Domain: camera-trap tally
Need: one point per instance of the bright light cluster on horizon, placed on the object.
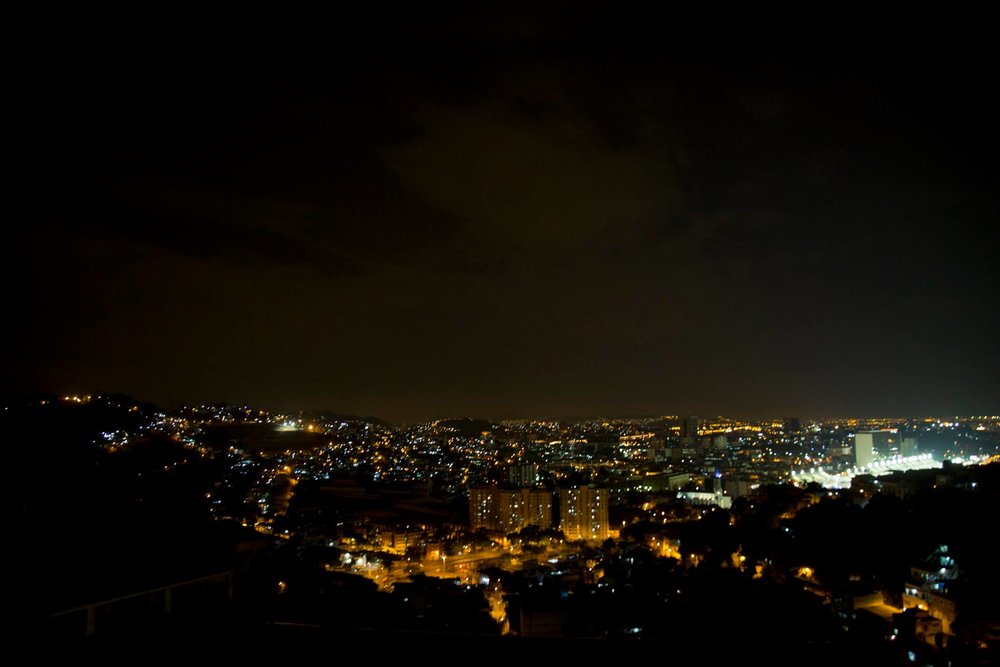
(842, 480)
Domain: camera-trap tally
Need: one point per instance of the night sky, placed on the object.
(421, 214)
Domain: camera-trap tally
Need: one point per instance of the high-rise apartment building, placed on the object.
(583, 513)
(509, 510)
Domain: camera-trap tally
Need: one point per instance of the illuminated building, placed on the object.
(523, 474)
(706, 498)
(716, 497)
(583, 513)
(658, 452)
(509, 510)
(525, 507)
(864, 450)
(930, 585)
(870, 445)
(483, 508)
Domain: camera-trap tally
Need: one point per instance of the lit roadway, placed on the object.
(446, 567)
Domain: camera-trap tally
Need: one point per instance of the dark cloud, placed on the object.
(460, 211)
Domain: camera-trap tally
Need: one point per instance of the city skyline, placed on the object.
(862, 534)
(434, 329)
(681, 417)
